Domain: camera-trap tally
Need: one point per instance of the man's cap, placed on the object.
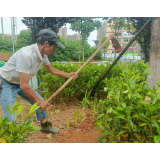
(49, 35)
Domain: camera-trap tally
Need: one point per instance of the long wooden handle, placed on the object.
(70, 79)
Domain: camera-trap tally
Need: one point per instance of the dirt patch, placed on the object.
(4, 56)
(80, 131)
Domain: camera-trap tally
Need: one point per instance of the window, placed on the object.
(131, 51)
(119, 39)
(124, 45)
(125, 40)
(112, 51)
(118, 34)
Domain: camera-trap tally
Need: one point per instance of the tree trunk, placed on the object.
(154, 58)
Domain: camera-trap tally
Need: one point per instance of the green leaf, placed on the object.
(99, 124)
(141, 118)
(82, 120)
(136, 142)
(157, 126)
(3, 131)
(155, 117)
(1, 121)
(131, 123)
(20, 109)
(139, 96)
(34, 107)
(108, 109)
(57, 111)
(120, 133)
(119, 108)
(29, 115)
(106, 117)
(123, 105)
(121, 117)
(119, 113)
(134, 77)
(157, 139)
(101, 140)
(117, 95)
(8, 109)
(101, 115)
(129, 95)
(126, 91)
(7, 138)
(143, 124)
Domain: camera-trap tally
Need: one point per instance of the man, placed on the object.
(21, 67)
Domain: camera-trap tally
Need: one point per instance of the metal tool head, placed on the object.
(116, 44)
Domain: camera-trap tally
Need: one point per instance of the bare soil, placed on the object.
(83, 133)
(4, 56)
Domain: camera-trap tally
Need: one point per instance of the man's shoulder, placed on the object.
(27, 51)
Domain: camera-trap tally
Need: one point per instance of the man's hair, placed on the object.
(42, 42)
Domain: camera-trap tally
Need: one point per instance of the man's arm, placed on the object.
(57, 72)
(24, 85)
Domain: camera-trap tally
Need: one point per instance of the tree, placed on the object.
(144, 39)
(154, 58)
(38, 23)
(73, 51)
(106, 46)
(6, 45)
(84, 26)
(24, 39)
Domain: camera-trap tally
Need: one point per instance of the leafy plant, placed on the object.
(130, 113)
(15, 133)
(77, 116)
(68, 121)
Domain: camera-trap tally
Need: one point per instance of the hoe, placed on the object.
(117, 48)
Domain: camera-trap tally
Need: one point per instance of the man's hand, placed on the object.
(72, 74)
(43, 104)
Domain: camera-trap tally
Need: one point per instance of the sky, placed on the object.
(22, 26)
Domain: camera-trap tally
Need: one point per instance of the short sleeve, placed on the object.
(46, 60)
(23, 63)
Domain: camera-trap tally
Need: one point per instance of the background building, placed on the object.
(63, 33)
(123, 38)
(7, 36)
(74, 37)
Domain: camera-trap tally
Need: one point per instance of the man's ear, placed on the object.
(46, 43)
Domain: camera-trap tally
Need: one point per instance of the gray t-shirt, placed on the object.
(26, 60)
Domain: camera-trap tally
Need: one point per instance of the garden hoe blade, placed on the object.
(120, 55)
(117, 48)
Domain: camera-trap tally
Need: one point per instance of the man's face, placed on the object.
(48, 50)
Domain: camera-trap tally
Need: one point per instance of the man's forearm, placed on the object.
(30, 93)
(58, 72)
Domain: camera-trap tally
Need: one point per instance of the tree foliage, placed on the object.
(73, 51)
(144, 39)
(6, 45)
(38, 23)
(106, 46)
(118, 23)
(84, 26)
(24, 39)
